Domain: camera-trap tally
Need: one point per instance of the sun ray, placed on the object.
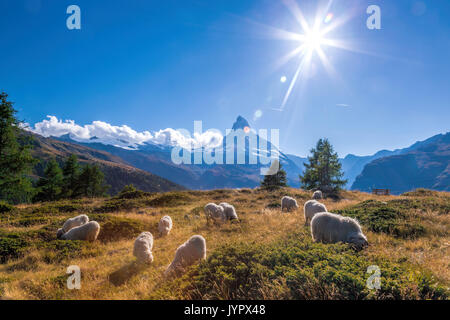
(297, 13)
(303, 62)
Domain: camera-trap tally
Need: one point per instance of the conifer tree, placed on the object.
(50, 186)
(323, 172)
(16, 161)
(71, 172)
(275, 181)
(91, 182)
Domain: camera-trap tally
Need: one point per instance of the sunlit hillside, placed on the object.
(267, 255)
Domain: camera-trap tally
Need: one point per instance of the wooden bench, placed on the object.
(381, 192)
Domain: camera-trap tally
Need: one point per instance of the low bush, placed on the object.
(11, 246)
(5, 207)
(117, 228)
(384, 217)
(300, 269)
(170, 199)
(59, 250)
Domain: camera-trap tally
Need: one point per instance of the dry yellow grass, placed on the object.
(32, 277)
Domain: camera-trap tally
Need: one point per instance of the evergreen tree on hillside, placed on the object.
(323, 172)
(275, 181)
(91, 182)
(71, 173)
(50, 186)
(15, 157)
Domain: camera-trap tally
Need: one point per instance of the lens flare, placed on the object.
(328, 18)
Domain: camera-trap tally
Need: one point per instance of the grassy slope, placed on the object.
(269, 255)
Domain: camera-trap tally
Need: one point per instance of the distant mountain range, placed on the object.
(118, 172)
(423, 164)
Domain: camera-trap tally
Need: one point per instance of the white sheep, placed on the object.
(312, 207)
(328, 227)
(189, 253)
(165, 225)
(88, 231)
(143, 246)
(317, 195)
(72, 223)
(230, 212)
(215, 212)
(288, 203)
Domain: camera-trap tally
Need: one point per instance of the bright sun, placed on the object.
(313, 40)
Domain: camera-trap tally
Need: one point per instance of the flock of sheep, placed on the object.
(326, 227)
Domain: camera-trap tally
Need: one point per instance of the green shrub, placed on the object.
(170, 199)
(130, 192)
(197, 211)
(384, 217)
(420, 192)
(117, 228)
(56, 251)
(297, 268)
(115, 205)
(5, 207)
(274, 205)
(11, 246)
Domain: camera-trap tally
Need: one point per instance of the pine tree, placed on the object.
(50, 186)
(323, 172)
(91, 182)
(275, 181)
(71, 172)
(15, 157)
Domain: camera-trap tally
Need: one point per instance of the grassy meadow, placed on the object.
(267, 255)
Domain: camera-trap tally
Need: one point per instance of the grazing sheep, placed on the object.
(88, 231)
(75, 222)
(312, 207)
(165, 225)
(230, 212)
(143, 246)
(214, 212)
(187, 254)
(288, 203)
(328, 227)
(59, 233)
(317, 195)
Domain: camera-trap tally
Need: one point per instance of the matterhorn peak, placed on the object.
(240, 123)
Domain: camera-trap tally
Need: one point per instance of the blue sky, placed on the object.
(163, 64)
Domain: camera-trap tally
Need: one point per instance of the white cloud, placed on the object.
(124, 136)
(343, 105)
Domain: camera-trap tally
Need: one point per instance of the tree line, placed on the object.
(16, 165)
(69, 182)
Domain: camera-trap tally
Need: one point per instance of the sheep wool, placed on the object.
(230, 212)
(312, 207)
(143, 246)
(288, 203)
(328, 227)
(317, 195)
(165, 225)
(88, 232)
(189, 253)
(75, 222)
(214, 212)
